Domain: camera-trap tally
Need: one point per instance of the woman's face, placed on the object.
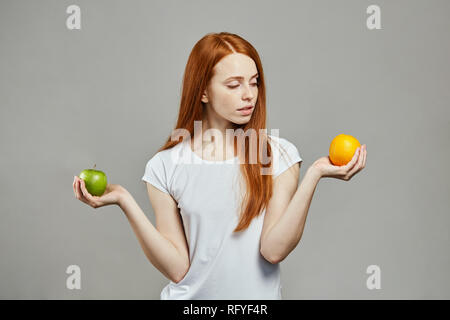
(233, 86)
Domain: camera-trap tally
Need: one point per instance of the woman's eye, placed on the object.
(253, 84)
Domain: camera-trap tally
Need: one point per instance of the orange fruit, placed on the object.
(342, 149)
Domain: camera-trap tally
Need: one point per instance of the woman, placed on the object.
(223, 221)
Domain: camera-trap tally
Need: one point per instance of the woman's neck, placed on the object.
(212, 143)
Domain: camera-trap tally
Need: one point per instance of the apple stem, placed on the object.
(94, 165)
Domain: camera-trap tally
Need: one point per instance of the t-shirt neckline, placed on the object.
(231, 160)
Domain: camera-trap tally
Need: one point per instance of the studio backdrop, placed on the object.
(86, 83)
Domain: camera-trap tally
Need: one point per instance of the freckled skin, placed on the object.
(224, 96)
(221, 100)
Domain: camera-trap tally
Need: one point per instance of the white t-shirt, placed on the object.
(224, 264)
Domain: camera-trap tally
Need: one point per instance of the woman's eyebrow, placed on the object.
(239, 77)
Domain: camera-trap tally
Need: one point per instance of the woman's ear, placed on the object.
(205, 97)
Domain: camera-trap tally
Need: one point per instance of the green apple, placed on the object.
(94, 180)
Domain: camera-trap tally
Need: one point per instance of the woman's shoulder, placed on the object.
(281, 143)
(167, 157)
(285, 154)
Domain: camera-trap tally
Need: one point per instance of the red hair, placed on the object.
(206, 53)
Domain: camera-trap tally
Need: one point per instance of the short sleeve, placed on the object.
(156, 173)
(286, 155)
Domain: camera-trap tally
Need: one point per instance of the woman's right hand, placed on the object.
(113, 194)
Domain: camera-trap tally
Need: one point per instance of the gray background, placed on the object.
(109, 94)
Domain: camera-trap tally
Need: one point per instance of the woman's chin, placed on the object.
(241, 120)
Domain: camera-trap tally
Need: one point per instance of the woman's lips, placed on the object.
(246, 110)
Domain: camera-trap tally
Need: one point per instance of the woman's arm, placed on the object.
(161, 252)
(286, 213)
(165, 247)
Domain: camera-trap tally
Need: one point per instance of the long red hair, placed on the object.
(199, 70)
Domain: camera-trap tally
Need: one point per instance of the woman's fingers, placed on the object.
(352, 162)
(84, 191)
(365, 155)
(82, 194)
(360, 165)
(77, 189)
(90, 199)
(73, 185)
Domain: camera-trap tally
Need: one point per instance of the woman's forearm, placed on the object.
(158, 249)
(287, 232)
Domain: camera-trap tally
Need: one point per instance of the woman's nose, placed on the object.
(248, 92)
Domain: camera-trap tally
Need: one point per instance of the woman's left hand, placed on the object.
(346, 172)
